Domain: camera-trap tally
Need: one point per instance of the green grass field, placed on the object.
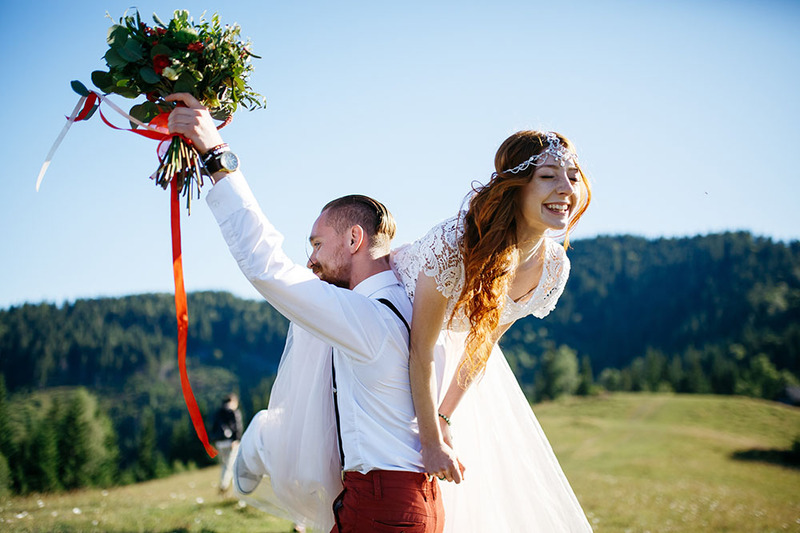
(638, 463)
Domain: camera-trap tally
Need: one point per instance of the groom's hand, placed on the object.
(193, 122)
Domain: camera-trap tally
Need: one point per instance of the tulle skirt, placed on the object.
(513, 480)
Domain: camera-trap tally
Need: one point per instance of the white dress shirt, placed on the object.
(370, 343)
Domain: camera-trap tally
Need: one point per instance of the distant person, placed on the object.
(226, 430)
(350, 317)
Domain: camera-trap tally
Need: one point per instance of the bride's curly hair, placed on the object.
(490, 241)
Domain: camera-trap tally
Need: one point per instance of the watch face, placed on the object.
(229, 161)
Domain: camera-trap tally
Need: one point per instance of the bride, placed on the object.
(470, 278)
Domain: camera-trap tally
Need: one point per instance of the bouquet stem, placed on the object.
(181, 163)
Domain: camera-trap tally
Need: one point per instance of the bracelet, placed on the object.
(218, 149)
(445, 418)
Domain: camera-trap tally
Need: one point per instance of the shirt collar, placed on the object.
(376, 282)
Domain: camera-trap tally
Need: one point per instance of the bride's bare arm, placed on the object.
(430, 306)
(456, 391)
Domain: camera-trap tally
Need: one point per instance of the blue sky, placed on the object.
(685, 115)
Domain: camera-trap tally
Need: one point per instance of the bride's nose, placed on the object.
(565, 185)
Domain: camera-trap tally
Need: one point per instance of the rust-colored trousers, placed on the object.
(390, 501)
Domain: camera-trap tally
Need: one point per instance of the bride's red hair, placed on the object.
(489, 244)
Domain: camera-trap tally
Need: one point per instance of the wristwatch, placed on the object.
(220, 159)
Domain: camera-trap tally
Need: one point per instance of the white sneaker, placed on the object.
(245, 481)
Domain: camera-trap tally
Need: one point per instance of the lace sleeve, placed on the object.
(437, 255)
(554, 279)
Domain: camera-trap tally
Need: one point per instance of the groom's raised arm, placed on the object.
(342, 318)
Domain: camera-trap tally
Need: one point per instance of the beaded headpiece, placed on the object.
(560, 153)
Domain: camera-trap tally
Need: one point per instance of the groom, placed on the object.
(354, 303)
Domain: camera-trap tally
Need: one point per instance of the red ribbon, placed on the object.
(160, 120)
(87, 106)
(182, 314)
(181, 307)
(159, 131)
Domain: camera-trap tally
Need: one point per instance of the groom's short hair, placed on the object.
(357, 209)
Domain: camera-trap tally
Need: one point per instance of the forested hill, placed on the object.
(700, 314)
(102, 343)
(713, 303)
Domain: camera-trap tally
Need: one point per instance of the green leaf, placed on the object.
(160, 50)
(117, 35)
(186, 36)
(152, 110)
(125, 91)
(79, 88)
(114, 60)
(149, 75)
(138, 112)
(91, 111)
(182, 86)
(132, 51)
(185, 84)
(102, 80)
(158, 21)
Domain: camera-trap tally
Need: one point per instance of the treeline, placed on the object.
(101, 343)
(55, 440)
(561, 372)
(122, 353)
(714, 314)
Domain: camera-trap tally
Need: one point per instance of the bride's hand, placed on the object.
(441, 461)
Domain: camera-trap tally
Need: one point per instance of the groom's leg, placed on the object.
(405, 500)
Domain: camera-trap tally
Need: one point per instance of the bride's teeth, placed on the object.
(553, 207)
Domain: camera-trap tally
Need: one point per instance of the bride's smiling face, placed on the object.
(550, 198)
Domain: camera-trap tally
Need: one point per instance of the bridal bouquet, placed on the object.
(205, 59)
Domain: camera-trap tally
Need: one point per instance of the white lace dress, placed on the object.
(513, 481)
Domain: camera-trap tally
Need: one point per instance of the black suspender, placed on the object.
(391, 306)
(336, 410)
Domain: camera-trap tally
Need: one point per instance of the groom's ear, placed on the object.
(355, 238)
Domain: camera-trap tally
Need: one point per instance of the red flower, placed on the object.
(195, 47)
(152, 96)
(161, 31)
(160, 62)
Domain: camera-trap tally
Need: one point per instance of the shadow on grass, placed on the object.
(788, 458)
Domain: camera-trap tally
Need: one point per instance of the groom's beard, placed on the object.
(335, 273)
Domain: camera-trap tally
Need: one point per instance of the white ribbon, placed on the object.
(60, 138)
(69, 123)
